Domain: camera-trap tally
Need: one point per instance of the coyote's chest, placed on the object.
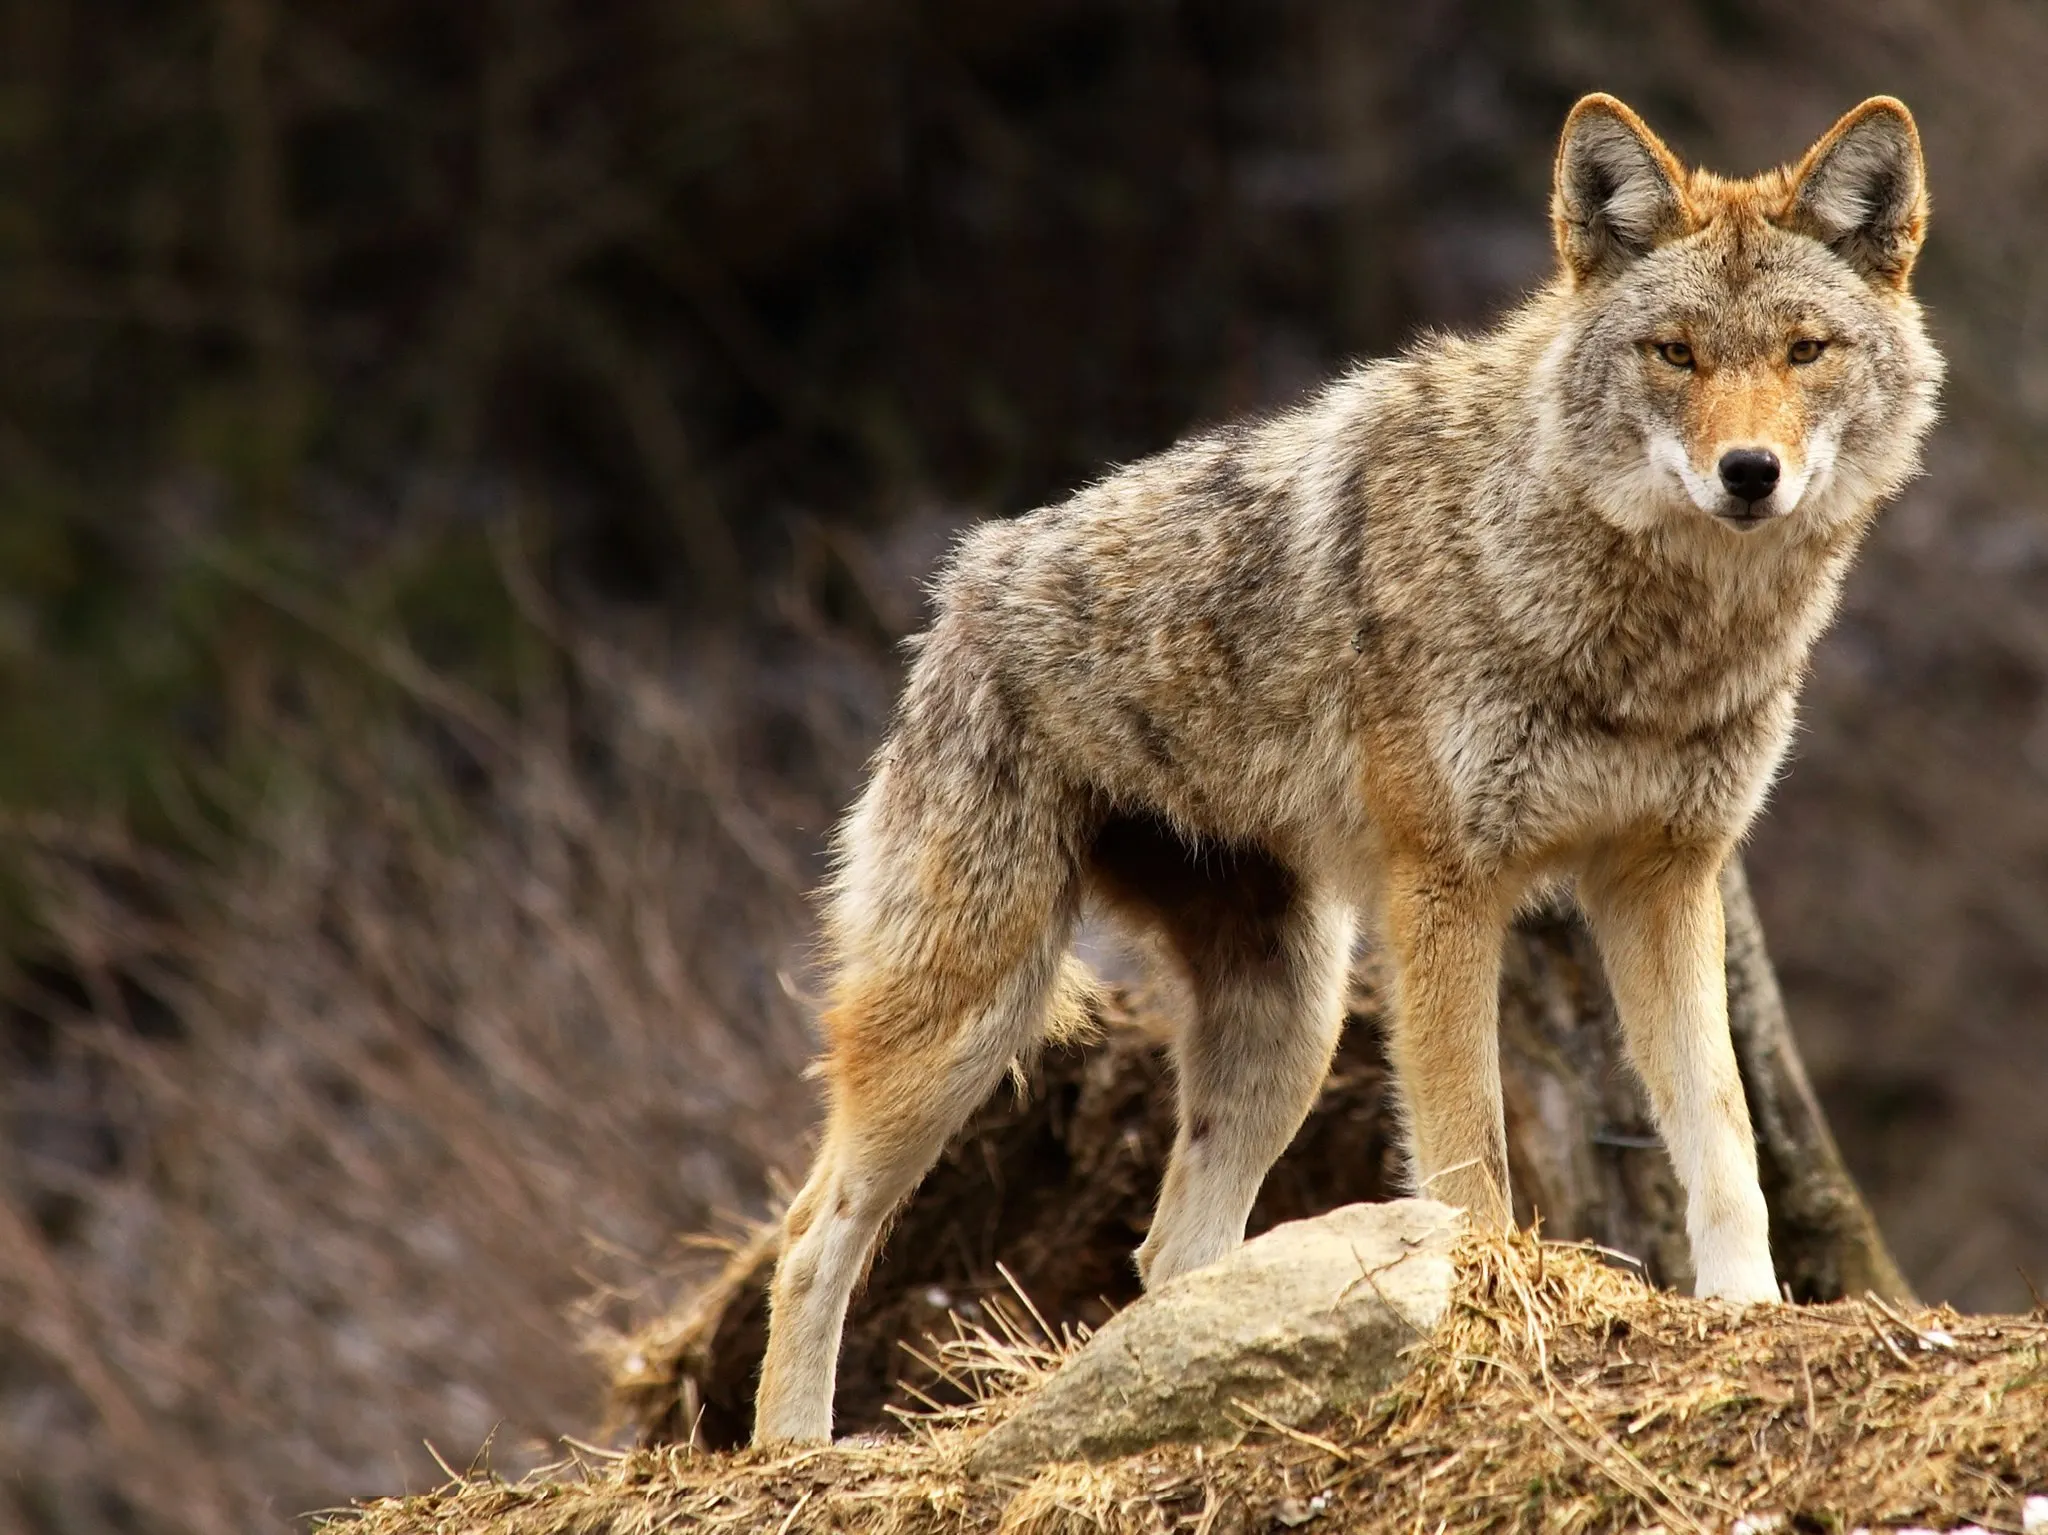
(1645, 698)
(1529, 780)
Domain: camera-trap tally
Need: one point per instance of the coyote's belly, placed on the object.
(1230, 767)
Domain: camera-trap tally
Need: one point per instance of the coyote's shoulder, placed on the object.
(1520, 607)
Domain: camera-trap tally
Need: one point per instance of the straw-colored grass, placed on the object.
(1561, 1394)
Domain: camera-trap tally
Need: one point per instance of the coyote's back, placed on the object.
(1501, 612)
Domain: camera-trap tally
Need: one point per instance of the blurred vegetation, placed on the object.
(332, 290)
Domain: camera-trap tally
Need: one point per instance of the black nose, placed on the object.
(1751, 473)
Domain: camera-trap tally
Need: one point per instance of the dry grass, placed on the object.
(1561, 1394)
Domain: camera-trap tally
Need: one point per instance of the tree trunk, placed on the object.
(1822, 1234)
(1058, 1186)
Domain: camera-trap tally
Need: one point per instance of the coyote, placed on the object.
(1504, 612)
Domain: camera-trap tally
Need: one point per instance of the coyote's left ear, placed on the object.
(1862, 191)
(1617, 193)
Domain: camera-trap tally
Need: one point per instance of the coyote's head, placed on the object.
(1740, 353)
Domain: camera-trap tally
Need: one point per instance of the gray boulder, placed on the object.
(1313, 1314)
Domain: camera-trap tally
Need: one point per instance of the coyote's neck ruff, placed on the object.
(1527, 607)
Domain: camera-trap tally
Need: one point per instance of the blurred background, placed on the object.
(463, 470)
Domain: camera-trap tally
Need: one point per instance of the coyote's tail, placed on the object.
(1074, 1015)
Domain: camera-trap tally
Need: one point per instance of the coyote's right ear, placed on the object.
(1617, 193)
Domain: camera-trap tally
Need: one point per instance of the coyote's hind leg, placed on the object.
(1250, 1063)
(895, 1100)
(1265, 959)
(949, 923)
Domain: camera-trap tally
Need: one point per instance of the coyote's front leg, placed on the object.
(1655, 909)
(1444, 933)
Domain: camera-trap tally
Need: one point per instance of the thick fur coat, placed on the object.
(1502, 612)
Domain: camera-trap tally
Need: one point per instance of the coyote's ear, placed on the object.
(1862, 191)
(1617, 191)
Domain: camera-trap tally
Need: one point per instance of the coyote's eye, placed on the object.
(1677, 353)
(1806, 350)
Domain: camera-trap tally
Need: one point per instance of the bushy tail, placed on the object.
(1073, 1016)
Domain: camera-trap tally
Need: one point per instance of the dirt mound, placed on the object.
(1560, 1393)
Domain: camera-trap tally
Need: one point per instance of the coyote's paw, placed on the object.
(1746, 1280)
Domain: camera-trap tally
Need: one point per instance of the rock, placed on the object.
(1314, 1314)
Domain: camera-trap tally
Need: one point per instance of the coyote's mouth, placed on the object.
(1748, 517)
